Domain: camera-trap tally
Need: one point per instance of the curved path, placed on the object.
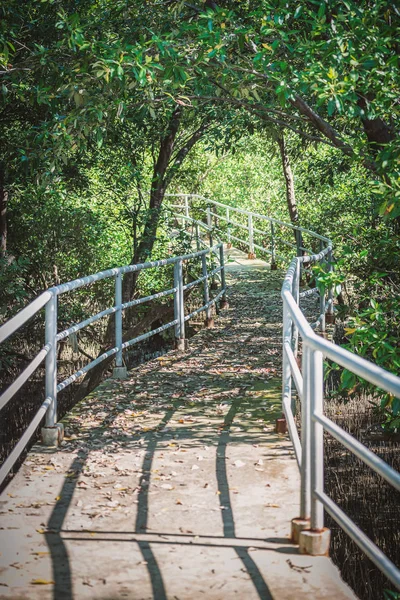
(173, 484)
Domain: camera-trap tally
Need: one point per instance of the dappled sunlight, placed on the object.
(174, 472)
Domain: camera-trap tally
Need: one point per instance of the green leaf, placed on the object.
(298, 11)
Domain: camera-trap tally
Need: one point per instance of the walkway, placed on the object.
(171, 485)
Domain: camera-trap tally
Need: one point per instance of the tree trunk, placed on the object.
(157, 192)
(290, 193)
(3, 215)
(164, 170)
(289, 182)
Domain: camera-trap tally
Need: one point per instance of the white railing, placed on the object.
(309, 386)
(274, 239)
(308, 380)
(49, 301)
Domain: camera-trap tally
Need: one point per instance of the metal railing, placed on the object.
(309, 386)
(49, 301)
(308, 381)
(272, 240)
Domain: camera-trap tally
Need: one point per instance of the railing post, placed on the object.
(330, 317)
(305, 500)
(228, 220)
(179, 307)
(315, 541)
(317, 440)
(209, 322)
(322, 299)
(296, 296)
(281, 424)
(119, 371)
(251, 237)
(209, 220)
(302, 523)
(298, 242)
(186, 206)
(197, 230)
(52, 432)
(224, 302)
(299, 251)
(209, 224)
(273, 256)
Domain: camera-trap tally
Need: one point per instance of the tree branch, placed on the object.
(260, 112)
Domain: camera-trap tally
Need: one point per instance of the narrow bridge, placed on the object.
(178, 480)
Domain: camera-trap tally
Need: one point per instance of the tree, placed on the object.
(324, 70)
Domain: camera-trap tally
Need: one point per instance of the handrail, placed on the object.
(248, 212)
(308, 380)
(48, 300)
(309, 383)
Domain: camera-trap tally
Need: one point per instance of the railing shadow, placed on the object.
(226, 505)
(55, 535)
(58, 536)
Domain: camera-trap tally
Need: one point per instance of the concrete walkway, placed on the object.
(171, 485)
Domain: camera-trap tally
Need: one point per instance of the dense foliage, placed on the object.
(107, 105)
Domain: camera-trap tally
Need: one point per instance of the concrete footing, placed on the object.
(281, 425)
(298, 525)
(120, 373)
(224, 304)
(181, 345)
(52, 436)
(315, 543)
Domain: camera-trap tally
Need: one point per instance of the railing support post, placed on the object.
(299, 251)
(209, 224)
(119, 371)
(186, 206)
(197, 230)
(228, 220)
(330, 316)
(322, 304)
(179, 307)
(209, 322)
(302, 523)
(209, 220)
(298, 242)
(315, 541)
(281, 424)
(305, 501)
(296, 296)
(52, 433)
(273, 256)
(224, 302)
(251, 255)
